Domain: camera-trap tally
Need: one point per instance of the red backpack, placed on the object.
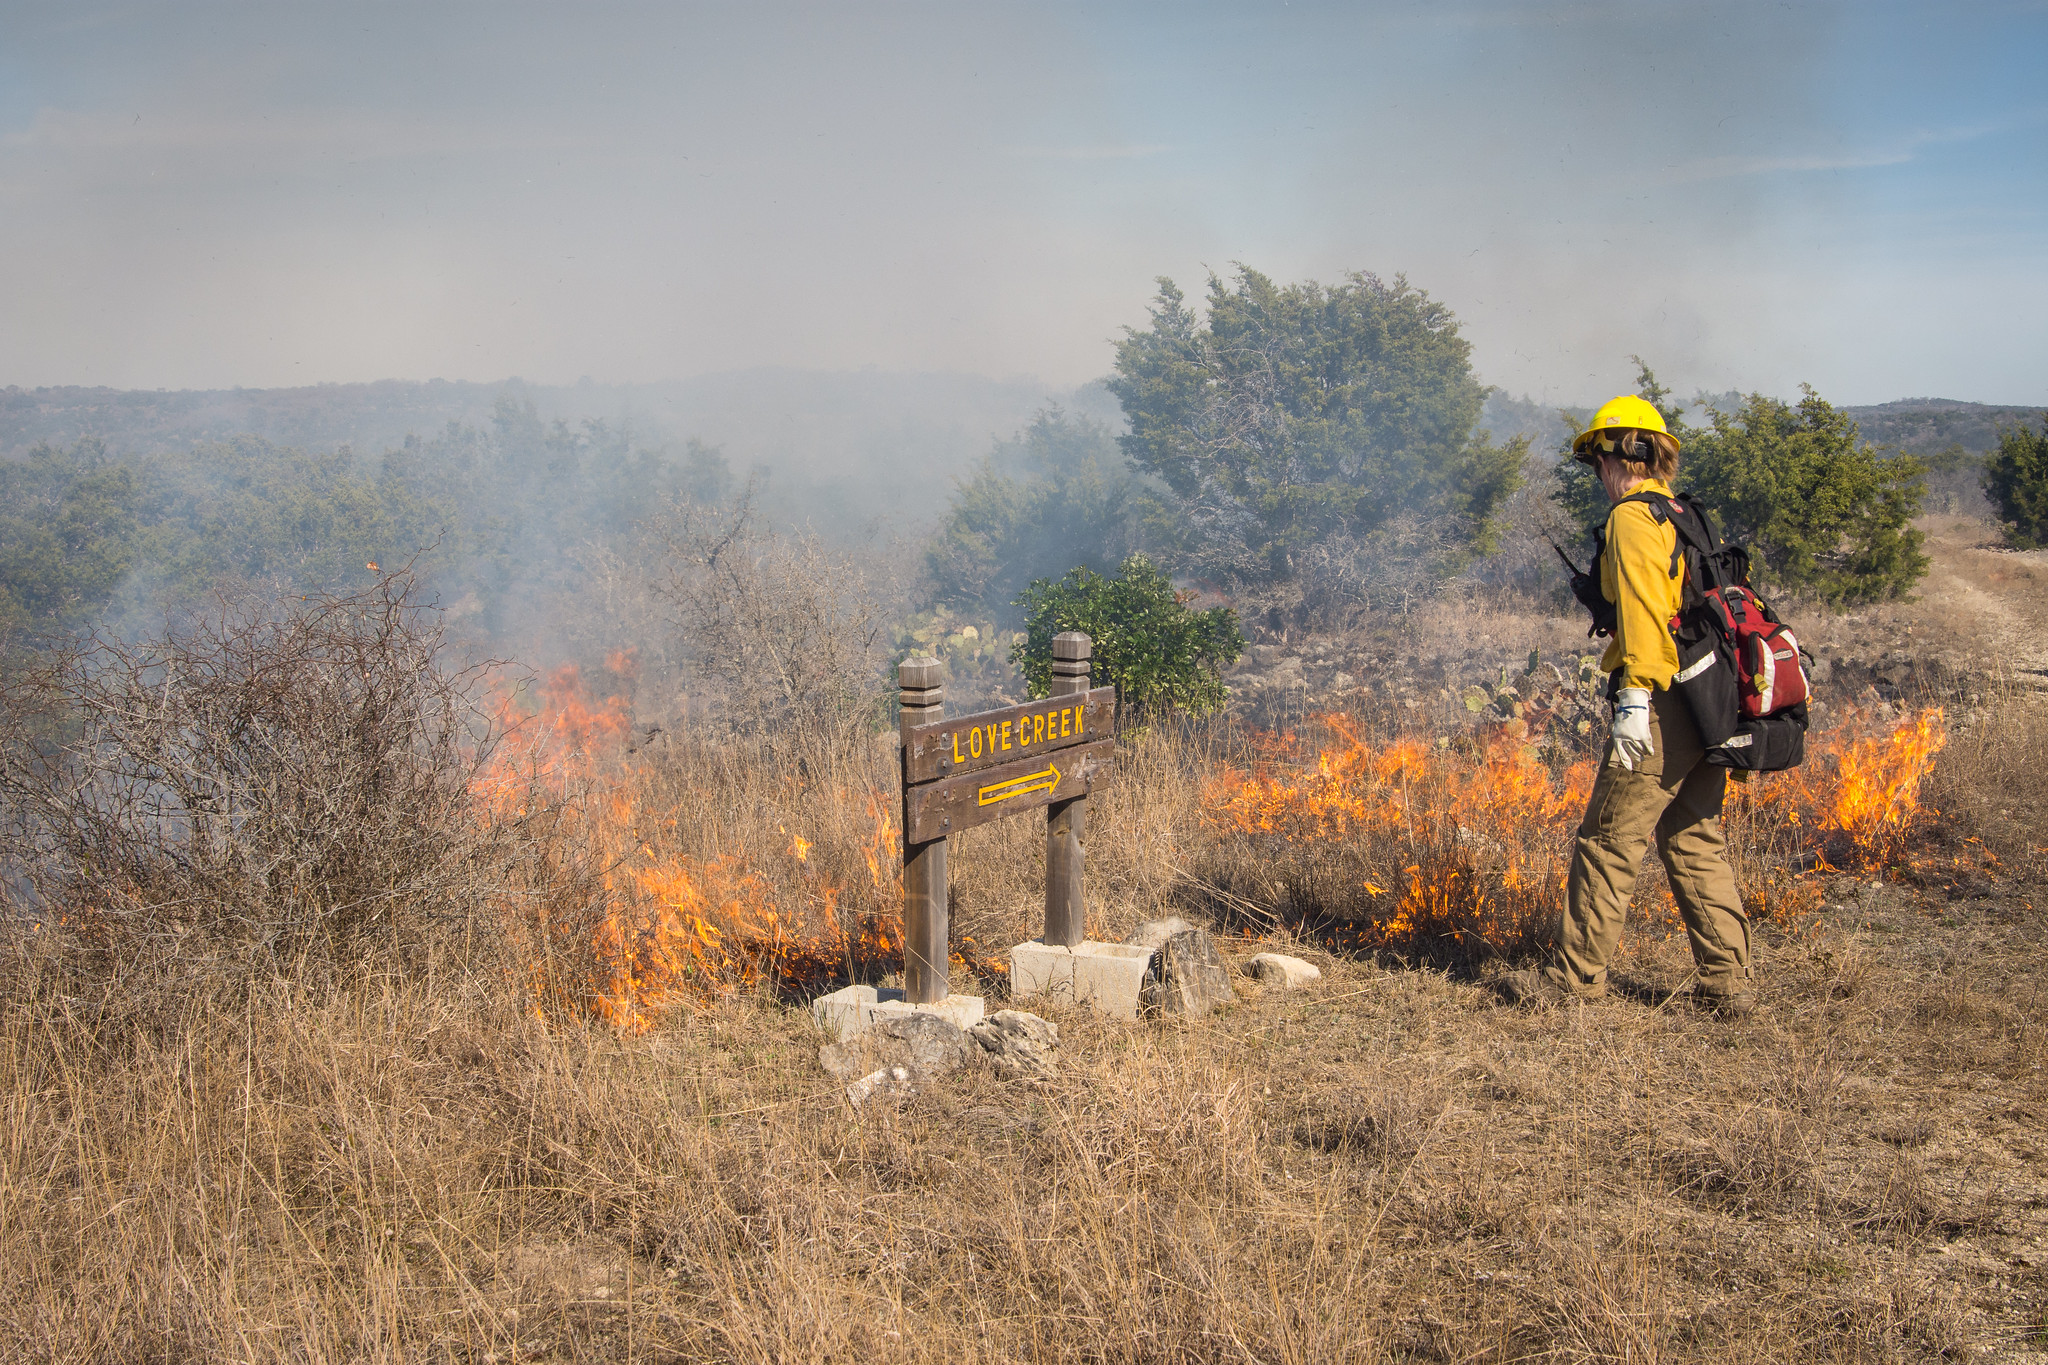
(1740, 668)
(1769, 674)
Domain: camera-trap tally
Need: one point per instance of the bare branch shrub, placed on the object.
(786, 633)
(289, 784)
(1524, 569)
(1391, 570)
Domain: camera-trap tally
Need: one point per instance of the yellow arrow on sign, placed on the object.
(1048, 780)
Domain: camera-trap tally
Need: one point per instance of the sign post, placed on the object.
(925, 954)
(1066, 913)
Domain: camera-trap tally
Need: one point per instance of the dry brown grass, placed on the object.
(411, 1164)
(1391, 1167)
(1993, 785)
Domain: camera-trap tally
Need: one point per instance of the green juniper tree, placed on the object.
(1822, 511)
(2016, 481)
(1297, 413)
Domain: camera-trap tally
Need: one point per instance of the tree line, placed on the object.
(493, 519)
(1293, 439)
(1304, 451)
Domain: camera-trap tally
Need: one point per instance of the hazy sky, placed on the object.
(203, 195)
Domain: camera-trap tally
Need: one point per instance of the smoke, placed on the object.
(850, 249)
(239, 194)
(528, 511)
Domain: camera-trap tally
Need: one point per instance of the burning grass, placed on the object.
(1454, 851)
(715, 868)
(625, 1151)
(1443, 850)
(723, 869)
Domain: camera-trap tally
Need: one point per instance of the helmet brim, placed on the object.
(1582, 444)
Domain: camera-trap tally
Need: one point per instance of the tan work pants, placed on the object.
(1677, 795)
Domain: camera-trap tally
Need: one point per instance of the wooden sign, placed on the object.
(961, 773)
(990, 738)
(945, 807)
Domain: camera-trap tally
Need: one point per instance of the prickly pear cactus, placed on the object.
(1558, 711)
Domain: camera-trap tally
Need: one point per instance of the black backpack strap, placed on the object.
(1660, 508)
(1696, 532)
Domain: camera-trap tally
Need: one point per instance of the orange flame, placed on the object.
(683, 928)
(1433, 843)
(1858, 794)
(1480, 832)
(1878, 778)
(677, 926)
(1475, 832)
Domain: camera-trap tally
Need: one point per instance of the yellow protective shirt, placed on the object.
(1637, 575)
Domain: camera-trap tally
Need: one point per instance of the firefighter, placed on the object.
(1654, 778)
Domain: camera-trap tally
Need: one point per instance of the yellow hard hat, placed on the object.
(1624, 411)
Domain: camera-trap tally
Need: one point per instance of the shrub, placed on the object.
(1157, 652)
(784, 633)
(293, 788)
(1820, 511)
(2016, 481)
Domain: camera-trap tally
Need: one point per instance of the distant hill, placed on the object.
(1928, 426)
(143, 422)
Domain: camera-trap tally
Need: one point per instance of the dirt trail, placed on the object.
(2005, 591)
(1981, 607)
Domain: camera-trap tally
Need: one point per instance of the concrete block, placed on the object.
(1278, 969)
(963, 1012)
(852, 1010)
(843, 1013)
(1109, 976)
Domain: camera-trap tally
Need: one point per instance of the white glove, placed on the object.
(1632, 727)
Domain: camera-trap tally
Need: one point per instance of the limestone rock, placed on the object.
(1278, 969)
(1020, 1044)
(923, 1047)
(891, 1082)
(928, 1045)
(843, 1061)
(1187, 975)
